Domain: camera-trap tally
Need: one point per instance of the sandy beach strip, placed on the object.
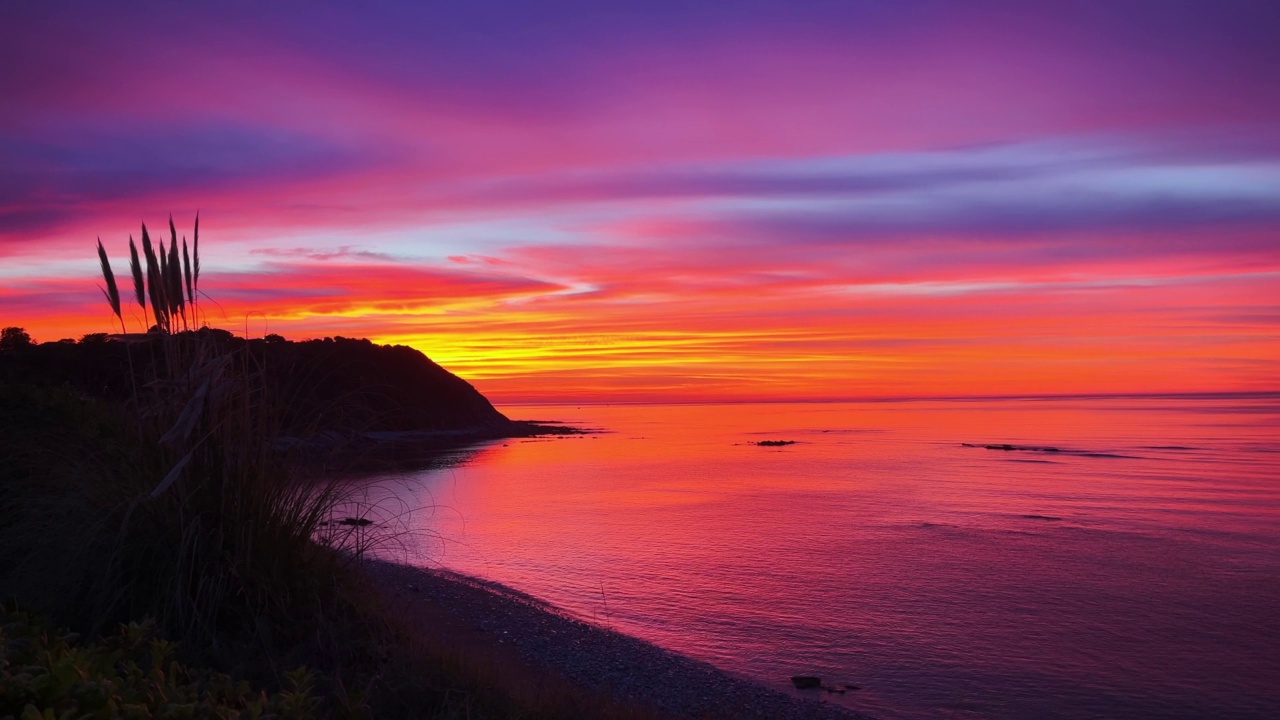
(536, 635)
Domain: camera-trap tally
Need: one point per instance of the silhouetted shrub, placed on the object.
(14, 338)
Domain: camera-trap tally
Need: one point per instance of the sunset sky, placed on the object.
(674, 200)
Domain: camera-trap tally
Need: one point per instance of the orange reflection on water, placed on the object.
(879, 549)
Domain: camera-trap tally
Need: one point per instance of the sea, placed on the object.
(1113, 557)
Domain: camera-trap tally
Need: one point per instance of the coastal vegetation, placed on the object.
(172, 502)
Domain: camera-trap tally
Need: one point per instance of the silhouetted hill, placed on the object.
(375, 387)
(335, 394)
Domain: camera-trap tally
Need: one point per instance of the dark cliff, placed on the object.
(334, 386)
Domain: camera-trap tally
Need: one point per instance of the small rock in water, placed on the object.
(357, 522)
(775, 443)
(806, 682)
(1010, 448)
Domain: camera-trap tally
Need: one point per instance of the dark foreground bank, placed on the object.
(155, 479)
(537, 640)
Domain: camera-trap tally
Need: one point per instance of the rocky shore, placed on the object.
(539, 637)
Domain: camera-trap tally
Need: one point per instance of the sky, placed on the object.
(651, 201)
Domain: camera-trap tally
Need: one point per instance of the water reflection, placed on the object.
(1134, 574)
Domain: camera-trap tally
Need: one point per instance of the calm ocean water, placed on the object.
(1135, 572)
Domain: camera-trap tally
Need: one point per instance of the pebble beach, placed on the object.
(619, 666)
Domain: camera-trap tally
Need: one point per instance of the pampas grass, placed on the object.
(216, 531)
(170, 281)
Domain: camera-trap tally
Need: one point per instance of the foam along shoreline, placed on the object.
(543, 640)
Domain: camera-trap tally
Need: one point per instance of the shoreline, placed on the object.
(546, 643)
(406, 450)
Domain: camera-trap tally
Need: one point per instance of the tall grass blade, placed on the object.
(195, 255)
(162, 282)
(139, 284)
(206, 375)
(174, 278)
(153, 281)
(186, 272)
(186, 422)
(112, 292)
(173, 474)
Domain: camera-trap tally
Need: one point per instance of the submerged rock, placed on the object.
(806, 682)
(1009, 448)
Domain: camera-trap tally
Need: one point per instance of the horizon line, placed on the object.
(1210, 395)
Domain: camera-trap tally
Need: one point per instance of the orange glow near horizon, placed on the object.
(521, 341)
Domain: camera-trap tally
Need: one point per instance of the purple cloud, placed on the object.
(64, 171)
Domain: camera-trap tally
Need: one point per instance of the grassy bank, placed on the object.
(172, 505)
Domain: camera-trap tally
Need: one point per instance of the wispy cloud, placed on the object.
(342, 252)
